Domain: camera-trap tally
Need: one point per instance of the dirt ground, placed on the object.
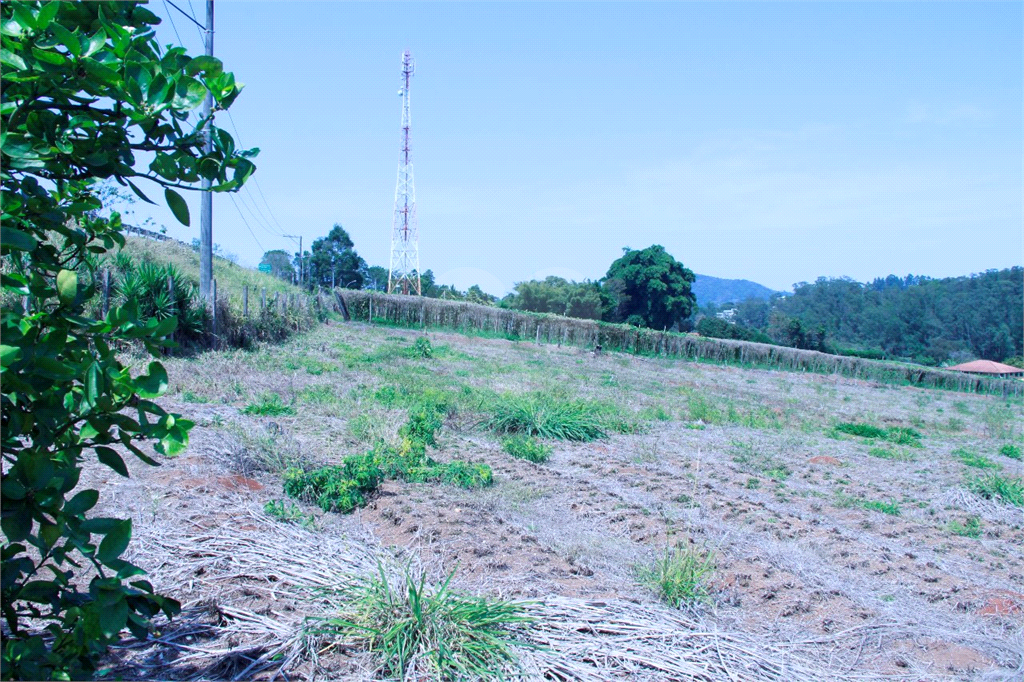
(743, 462)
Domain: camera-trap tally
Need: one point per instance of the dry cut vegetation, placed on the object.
(364, 502)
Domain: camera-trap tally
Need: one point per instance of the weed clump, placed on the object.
(997, 487)
(889, 453)
(899, 435)
(289, 512)
(680, 577)
(454, 636)
(538, 414)
(975, 460)
(1011, 451)
(269, 405)
(344, 488)
(526, 447)
(970, 528)
(891, 508)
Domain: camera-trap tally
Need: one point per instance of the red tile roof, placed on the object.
(986, 367)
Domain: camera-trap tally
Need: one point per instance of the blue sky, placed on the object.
(776, 142)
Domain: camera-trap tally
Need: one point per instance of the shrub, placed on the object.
(974, 460)
(422, 348)
(900, 435)
(703, 410)
(1011, 451)
(454, 636)
(970, 528)
(543, 415)
(327, 487)
(680, 577)
(997, 487)
(269, 405)
(146, 285)
(526, 447)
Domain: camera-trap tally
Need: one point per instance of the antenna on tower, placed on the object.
(404, 272)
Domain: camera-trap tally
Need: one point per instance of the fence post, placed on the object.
(245, 301)
(174, 308)
(263, 300)
(213, 295)
(106, 291)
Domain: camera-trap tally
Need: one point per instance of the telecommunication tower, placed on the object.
(404, 272)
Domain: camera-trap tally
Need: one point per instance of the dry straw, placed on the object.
(414, 311)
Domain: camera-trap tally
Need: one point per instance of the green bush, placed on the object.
(703, 410)
(526, 447)
(422, 348)
(451, 636)
(889, 453)
(680, 577)
(900, 435)
(328, 487)
(269, 405)
(538, 414)
(997, 487)
(862, 430)
(146, 285)
(1011, 451)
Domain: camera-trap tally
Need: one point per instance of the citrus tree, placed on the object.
(88, 95)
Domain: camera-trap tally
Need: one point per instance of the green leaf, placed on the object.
(95, 43)
(93, 384)
(68, 39)
(112, 459)
(82, 502)
(67, 286)
(139, 192)
(12, 60)
(115, 541)
(154, 384)
(16, 239)
(211, 66)
(114, 617)
(9, 355)
(178, 206)
(39, 591)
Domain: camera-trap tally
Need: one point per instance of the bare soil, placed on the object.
(802, 565)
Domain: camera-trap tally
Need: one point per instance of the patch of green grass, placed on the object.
(269, 405)
(190, 397)
(318, 395)
(862, 430)
(970, 528)
(955, 424)
(526, 447)
(972, 459)
(657, 413)
(703, 409)
(1011, 451)
(889, 453)
(681, 576)
(999, 488)
(289, 512)
(450, 636)
(753, 483)
(547, 416)
(892, 507)
(899, 435)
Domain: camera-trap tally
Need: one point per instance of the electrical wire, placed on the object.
(246, 223)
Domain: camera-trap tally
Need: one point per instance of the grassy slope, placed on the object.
(800, 516)
(230, 277)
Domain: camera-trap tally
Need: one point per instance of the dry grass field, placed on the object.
(827, 555)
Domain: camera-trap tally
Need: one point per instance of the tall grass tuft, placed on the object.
(999, 488)
(681, 576)
(546, 416)
(526, 447)
(450, 636)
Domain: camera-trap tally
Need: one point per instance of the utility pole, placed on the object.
(206, 207)
(299, 237)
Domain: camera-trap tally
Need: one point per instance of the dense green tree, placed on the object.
(86, 89)
(334, 261)
(375, 277)
(654, 286)
(280, 264)
(560, 296)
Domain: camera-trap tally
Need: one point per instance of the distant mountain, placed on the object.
(717, 290)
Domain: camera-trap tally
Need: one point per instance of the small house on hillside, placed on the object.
(988, 368)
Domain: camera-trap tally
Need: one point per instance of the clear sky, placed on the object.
(776, 142)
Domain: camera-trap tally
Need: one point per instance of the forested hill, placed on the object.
(715, 290)
(927, 320)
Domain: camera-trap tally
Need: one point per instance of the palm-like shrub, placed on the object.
(147, 285)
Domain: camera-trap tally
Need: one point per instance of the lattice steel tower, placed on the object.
(404, 273)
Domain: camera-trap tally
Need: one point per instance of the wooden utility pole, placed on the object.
(206, 206)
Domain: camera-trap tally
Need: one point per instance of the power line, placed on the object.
(190, 18)
(254, 180)
(246, 223)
